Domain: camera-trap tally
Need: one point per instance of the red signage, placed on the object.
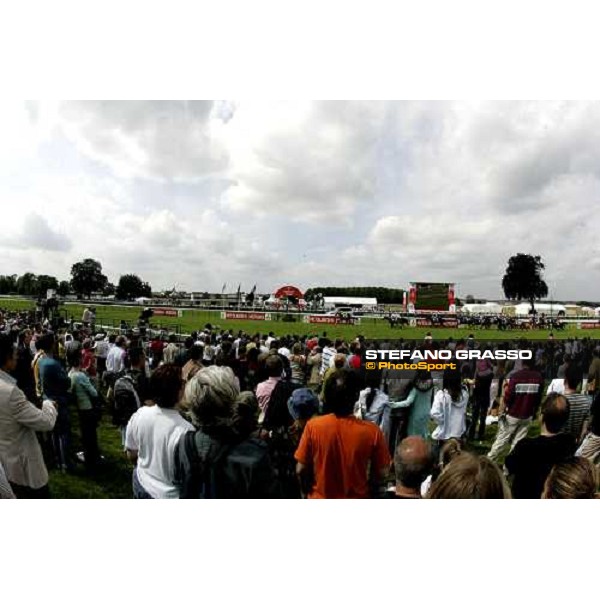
(289, 290)
(246, 316)
(330, 320)
(446, 323)
(324, 320)
(590, 325)
(165, 312)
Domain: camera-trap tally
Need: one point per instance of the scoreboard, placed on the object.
(431, 296)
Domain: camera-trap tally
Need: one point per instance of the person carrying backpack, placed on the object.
(130, 390)
(224, 458)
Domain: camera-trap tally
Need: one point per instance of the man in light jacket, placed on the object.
(20, 452)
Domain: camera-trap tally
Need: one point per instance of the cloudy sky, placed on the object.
(198, 194)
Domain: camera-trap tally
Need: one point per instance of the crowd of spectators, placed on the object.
(229, 414)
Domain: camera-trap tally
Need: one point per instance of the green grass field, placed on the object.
(370, 328)
(113, 478)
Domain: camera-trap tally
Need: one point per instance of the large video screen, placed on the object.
(432, 296)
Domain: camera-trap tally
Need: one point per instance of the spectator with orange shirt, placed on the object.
(340, 456)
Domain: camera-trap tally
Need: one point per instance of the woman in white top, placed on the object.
(152, 436)
(449, 409)
(373, 404)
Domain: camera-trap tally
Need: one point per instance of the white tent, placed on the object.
(522, 309)
(489, 308)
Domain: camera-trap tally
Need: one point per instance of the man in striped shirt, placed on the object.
(326, 356)
(579, 404)
(521, 401)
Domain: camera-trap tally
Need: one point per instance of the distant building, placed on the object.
(331, 302)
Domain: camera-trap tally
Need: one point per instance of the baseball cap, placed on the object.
(303, 403)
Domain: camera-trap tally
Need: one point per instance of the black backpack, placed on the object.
(126, 400)
(200, 481)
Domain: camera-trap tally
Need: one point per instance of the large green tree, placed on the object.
(27, 285)
(523, 279)
(64, 288)
(87, 277)
(131, 287)
(109, 289)
(45, 283)
(8, 284)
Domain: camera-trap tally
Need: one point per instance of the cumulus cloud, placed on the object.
(312, 163)
(38, 235)
(164, 140)
(312, 193)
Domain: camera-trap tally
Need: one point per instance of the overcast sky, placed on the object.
(198, 194)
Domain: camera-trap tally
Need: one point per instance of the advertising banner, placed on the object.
(330, 320)
(166, 312)
(589, 325)
(444, 323)
(246, 316)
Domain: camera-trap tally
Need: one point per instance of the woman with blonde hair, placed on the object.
(450, 450)
(470, 477)
(575, 478)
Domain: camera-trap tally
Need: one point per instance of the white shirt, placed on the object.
(102, 348)
(327, 359)
(169, 353)
(114, 360)
(154, 433)
(449, 416)
(557, 385)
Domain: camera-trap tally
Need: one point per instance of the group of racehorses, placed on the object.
(503, 323)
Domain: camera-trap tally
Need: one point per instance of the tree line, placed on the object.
(87, 278)
(523, 280)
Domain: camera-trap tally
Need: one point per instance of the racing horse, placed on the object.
(397, 321)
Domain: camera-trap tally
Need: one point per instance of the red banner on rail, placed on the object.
(165, 312)
(446, 323)
(331, 320)
(589, 325)
(246, 316)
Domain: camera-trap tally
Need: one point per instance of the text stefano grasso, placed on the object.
(448, 354)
